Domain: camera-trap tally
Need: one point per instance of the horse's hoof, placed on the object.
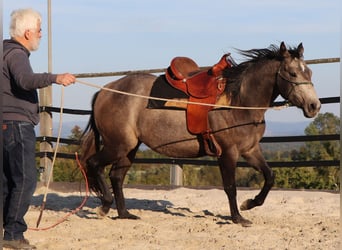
(101, 213)
(242, 221)
(246, 223)
(247, 204)
(129, 216)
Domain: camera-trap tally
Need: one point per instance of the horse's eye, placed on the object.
(293, 74)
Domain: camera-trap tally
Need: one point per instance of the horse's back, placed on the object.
(126, 92)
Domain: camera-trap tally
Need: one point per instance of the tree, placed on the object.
(314, 177)
(76, 133)
(323, 124)
(66, 169)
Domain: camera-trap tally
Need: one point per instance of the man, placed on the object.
(20, 114)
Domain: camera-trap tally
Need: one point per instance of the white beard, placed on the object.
(35, 44)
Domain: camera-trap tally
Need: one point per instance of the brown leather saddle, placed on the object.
(202, 86)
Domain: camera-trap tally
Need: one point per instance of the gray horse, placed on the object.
(120, 123)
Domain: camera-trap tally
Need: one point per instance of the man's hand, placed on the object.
(65, 79)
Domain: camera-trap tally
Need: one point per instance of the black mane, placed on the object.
(255, 55)
(234, 74)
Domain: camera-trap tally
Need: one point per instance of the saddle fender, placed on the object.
(202, 86)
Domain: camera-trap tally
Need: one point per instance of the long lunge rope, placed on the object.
(179, 101)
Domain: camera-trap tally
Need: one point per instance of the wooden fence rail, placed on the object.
(152, 71)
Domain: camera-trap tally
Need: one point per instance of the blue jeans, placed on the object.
(19, 176)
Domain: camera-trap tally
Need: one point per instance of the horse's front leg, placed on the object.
(257, 160)
(227, 167)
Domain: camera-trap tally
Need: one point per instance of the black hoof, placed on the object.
(247, 204)
(101, 212)
(129, 216)
(242, 221)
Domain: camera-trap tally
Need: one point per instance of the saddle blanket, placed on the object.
(162, 89)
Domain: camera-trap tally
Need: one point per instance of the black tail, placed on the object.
(91, 126)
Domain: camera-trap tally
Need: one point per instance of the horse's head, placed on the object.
(294, 81)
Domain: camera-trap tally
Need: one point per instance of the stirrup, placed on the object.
(211, 147)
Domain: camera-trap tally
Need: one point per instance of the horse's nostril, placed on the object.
(315, 106)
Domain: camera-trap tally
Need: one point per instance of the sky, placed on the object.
(105, 36)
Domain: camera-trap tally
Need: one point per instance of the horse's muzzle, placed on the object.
(312, 108)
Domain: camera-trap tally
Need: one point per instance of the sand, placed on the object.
(184, 218)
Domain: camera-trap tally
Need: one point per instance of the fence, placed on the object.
(176, 169)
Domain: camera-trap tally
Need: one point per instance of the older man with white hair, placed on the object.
(20, 115)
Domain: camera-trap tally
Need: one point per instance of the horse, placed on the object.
(120, 123)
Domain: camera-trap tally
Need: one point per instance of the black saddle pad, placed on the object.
(162, 89)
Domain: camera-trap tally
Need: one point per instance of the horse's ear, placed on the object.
(300, 50)
(283, 50)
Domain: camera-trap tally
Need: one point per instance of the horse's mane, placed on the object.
(253, 56)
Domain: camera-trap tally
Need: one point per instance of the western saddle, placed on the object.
(202, 86)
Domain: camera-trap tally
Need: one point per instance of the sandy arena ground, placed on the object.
(184, 218)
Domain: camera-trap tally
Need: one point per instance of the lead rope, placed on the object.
(179, 101)
(42, 207)
(53, 159)
(78, 208)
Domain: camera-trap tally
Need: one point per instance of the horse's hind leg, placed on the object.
(257, 160)
(117, 176)
(97, 180)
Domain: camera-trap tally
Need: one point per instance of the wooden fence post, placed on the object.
(45, 96)
(176, 175)
(45, 99)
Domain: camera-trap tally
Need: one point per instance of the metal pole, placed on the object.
(176, 175)
(45, 96)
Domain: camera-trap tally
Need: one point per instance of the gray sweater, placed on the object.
(20, 97)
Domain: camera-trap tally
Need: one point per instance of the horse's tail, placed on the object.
(90, 139)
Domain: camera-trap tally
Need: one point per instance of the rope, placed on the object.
(53, 160)
(179, 101)
(42, 207)
(75, 210)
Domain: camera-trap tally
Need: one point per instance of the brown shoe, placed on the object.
(18, 244)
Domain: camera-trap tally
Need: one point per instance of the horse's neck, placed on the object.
(258, 87)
